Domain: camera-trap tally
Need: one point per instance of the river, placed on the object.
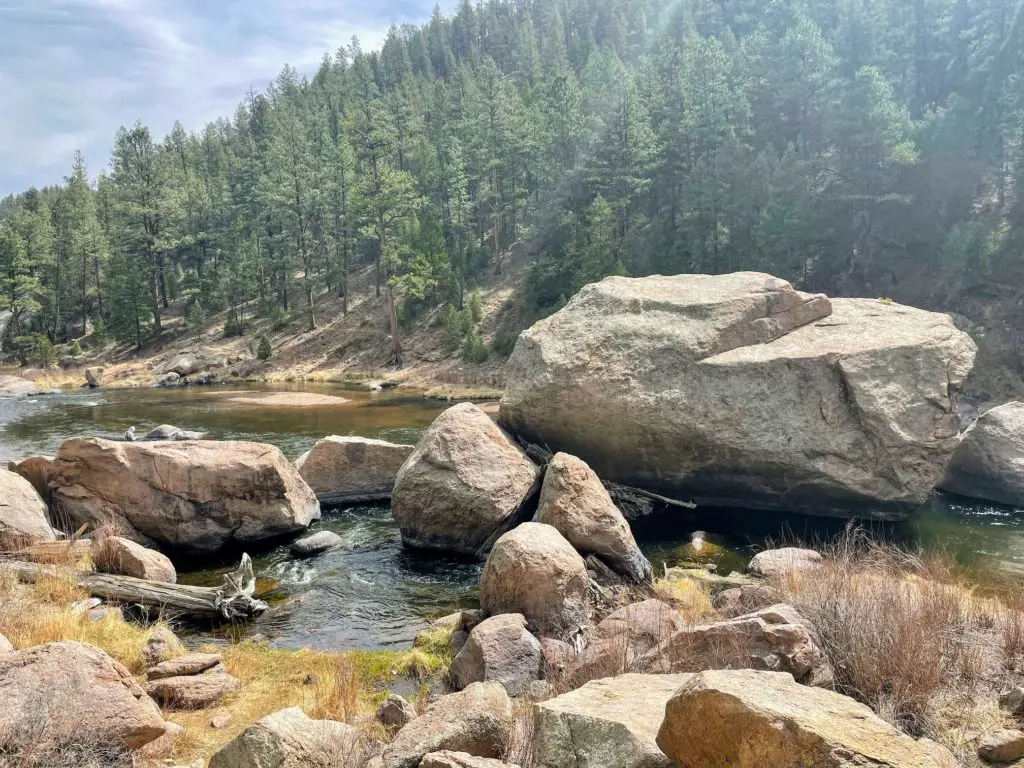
(374, 593)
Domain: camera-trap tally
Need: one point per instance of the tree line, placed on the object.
(814, 139)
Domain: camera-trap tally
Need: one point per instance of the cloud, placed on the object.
(73, 71)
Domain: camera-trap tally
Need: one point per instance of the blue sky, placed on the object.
(73, 71)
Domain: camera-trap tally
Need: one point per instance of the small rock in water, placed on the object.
(323, 541)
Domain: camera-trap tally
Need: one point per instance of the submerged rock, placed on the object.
(321, 541)
(199, 496)
(609, 723)
(748, 719)
(738, 390)
(340, 467)
(463, 485)
(59, 694)
(989, 462)
(170, 432)
(573, 500)
(534, 571)
(24, 518)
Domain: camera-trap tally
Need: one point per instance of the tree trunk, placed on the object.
(309, 303)
(396, 342)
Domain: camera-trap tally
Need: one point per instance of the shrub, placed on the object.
(265, 350)
(75, 349)
(476, 306)
(473, 348)
(279, 318)
(195, 317)
(99, 332)
(457, 324)
(504, 342)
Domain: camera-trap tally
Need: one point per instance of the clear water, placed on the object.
(374, 593)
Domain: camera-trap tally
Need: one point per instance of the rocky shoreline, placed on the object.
(719, 390)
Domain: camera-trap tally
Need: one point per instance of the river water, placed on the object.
(374, 593)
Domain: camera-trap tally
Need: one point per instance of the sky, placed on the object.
(73, 71)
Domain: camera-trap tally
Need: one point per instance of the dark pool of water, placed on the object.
(374, 593)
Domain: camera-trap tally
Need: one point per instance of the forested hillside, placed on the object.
(867, 147)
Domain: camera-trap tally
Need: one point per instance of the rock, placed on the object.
(290, 739)
(321, 541)
(16, 386)
(199, 496)
(477, 720)
(499, 649)
(192, 664)
(532, 570)
(35, 469)
(775, 638)
(989, 461)
(471, 617)
(24, 518)
(161, 646)
(778, 563)
(193, 691)
(736, 390)
(573, 500)
(1004, 746)
(558, 655)
(169, 380)
(113, 554)
(750, 719)
(610, 723)
(440, 628)
(220, 721)
(624, 637)
(170, 432)
(61, 693)
(184, 364)
(463, 485)
(395, 711)
(93, 377)
(749, 598)
(5, 645)
(448, 759)
(1012, 700)
(348, 465)
(161, 748)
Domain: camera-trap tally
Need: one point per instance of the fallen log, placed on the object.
(232, 601)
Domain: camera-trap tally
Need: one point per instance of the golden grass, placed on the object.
(326, 685)
(691, 598)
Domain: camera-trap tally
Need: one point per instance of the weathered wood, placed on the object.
(232, 601)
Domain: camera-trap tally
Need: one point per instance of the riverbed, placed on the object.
(376, 594)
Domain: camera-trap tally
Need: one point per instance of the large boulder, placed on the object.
(193, 691)
(477, 721)
(989, 462)
(338, 468)
(609, 723)
(534, 571)
(198, 496)
(738, 390)
(748, 719)
(776, 638)
(501, 649)
(290, 739)
(35, 469)
(16, 386)
(66, 693)
(573, 500)
(23, 514)
(463, 485)
(114, 554)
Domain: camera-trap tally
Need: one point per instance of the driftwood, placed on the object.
(232, 601)
(633, 502)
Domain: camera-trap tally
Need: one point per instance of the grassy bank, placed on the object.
(344, 686)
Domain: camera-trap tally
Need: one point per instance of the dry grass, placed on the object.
(907, 636)
(691, 598)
